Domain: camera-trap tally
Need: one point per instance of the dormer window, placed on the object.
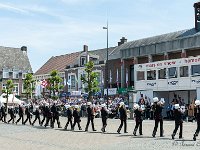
(15, 74)
(83, 61)
(5, 73)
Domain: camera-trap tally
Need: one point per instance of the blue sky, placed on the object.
(56, 27)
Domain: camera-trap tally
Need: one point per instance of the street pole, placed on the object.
(106, 67)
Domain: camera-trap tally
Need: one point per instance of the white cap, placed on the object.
(76, 106)
(36, 106)
(136, 106)
(121, 103)
(197, 102)
(89, 103)
(67, 106)
(155, 99)
(93, 105)
(176, 106)
(103, 105)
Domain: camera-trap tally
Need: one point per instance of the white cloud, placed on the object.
(12, 8)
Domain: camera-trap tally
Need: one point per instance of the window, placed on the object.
(15, 74)
(151, 75)
(5, 74)
(16, 88)
(98, 78)
(73, 81)
(140, 75)
(195, 70)
(83, 61)
(184, 71)
(172, 72)
(162, 73)
(24, 76)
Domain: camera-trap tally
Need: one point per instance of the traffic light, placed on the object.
(198, 14)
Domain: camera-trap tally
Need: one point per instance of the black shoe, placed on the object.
(180, 137)
(125, 132)
(80, 128)
(194, 138)
(141, 134)
(94, 130)
(134, 133)
(86, 130)
(172, 136)
(161, 135)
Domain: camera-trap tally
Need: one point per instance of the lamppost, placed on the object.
(106, 67)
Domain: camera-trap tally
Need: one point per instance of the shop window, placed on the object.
(195, 70)
(140, 75)
(151, 75)
(184, 71)
(172, 72)
(162, 73)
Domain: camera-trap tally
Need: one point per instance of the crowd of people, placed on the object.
(50, 111)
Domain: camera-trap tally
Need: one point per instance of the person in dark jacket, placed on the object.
(76, 116)
(178, 117)
(48, 115)
(43, 109)
(157, 108)
(104, 116)
(197, 103)
(69, 116)
(21, 114)
(90, 117)
(55, 114)
(138, 119)
(123, 117)
(3, 113)
(12, 115)
(28, 115)
(37, 115)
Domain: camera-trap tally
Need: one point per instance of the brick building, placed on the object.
(14, 64)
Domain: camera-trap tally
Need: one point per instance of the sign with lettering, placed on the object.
(111, 91)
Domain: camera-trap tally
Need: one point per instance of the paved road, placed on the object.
(19, 137)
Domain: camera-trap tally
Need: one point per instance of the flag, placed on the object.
(44, 83)
(117, 79)
(127, 77)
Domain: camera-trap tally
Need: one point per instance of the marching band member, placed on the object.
(69, 116)
(157, 108)
(197, 103)
(55, 114)
(123, 117)
(104, 116)
(21, 114)
(90, 117)
(37, 115)
(12, 115)
(3, 113)
(178, 120)
(28, 114)
(138, 119)
(77, 117)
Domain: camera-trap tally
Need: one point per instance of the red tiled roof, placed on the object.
(57, 63)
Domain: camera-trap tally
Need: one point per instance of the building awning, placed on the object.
(125, 90)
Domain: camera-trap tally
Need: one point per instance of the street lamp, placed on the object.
(106, 68)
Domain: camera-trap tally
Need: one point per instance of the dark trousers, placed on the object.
(43, 119)
(156, 126)
(104, 122)
(20, 117)
(88, 122)
(76, 120)
(177, 124)
(36, 117)
(47, 121)
(55, 118)
(198, 128)
(3, 117)
(123, 122)
(69, 121)
(12, 118)
(28, 119)
(138, 124)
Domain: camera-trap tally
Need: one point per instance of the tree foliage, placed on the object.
(54, 83)
(29, 87)
(8, 90)
(90, 79)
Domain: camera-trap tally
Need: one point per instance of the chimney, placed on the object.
(197, 16)
(122, 41)
(85, 48)
(24, 48)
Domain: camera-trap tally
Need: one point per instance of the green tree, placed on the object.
(54, 83)
(29, 87)
(8, 90)
(90, 79)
